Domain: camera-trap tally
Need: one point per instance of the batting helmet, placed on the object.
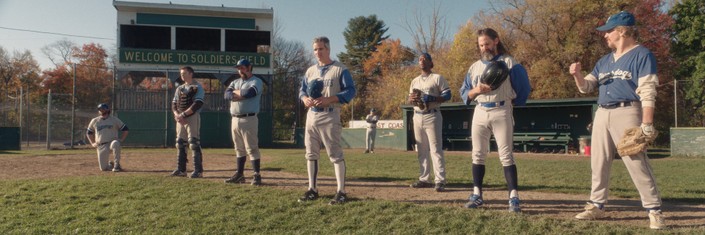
(495, 74)
(104, 106)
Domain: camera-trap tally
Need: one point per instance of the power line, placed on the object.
(52, 33)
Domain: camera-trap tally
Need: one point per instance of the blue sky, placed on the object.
(300, 20)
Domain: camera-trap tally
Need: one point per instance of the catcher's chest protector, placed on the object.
(186, 97)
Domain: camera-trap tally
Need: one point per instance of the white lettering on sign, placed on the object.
(381, 124)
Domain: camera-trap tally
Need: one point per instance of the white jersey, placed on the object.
(433, 84)
(105, 129)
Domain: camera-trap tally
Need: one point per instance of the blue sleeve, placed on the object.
(347, 88)
(249, 93)
(199, 94)
(520, 84)
(465, 89)
(446, 94)
(304, 88)
(124, 128)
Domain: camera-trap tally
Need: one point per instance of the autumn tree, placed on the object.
(390, 68)
(93, 78)
(291, 59)
(362, 36)
(59, 52)
(689, 49)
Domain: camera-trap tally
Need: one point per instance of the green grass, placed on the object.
(120, 204)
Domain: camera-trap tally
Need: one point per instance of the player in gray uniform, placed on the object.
(244, 95)
(493, 114)
(327, 85)
(186, 106)
(371, 120)
(428, 123)
(626, 80)
(102, 133)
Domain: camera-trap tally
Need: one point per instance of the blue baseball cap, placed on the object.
(427, 56)
(243, 62)
(622, 18)
(104, 106)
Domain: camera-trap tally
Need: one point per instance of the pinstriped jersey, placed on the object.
(434, 84)
(105, 129)
(250, 105)
(336, 82)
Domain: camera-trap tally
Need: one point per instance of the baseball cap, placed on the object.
(373, 110)
(243, 62)
(103, 106)
(622, 18)
(427, 56)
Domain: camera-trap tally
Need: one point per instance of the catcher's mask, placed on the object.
(495, 74)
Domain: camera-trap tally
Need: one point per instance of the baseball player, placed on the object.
(626, 81)
(102, 133)
(493, 114)
(327, 85)
(371, 120)
(244, 95)
(428, 123)
(186, 106)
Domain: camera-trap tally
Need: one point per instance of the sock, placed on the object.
(240, 164)
(340, 175)
(312, 166)
(478, 174)
(255, 166)
(599, 205)
(510, 174)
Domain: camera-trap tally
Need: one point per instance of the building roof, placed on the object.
(170, 8)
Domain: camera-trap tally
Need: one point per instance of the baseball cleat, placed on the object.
(117, 168)
(256, 180)
(591, 212)
(339, 198)
(236, 179)
(440, 187)
(475, 201)
(310, 195)
(514, 204)
(656, 219)
(178, 173)
(421, 184)
(196, 174)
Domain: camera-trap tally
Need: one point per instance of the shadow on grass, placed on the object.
(9, 152)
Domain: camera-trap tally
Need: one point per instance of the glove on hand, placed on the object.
(315, 89)
(428, 98)
(647, 129)
(228, 94)
(635, 141)
(419, 102)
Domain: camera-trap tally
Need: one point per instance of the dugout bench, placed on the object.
(526, 140)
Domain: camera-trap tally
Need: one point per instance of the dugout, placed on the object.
(155, 40)
(568, 118)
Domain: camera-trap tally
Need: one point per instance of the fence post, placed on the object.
(675, 100)
(49, 120)
(73, 106)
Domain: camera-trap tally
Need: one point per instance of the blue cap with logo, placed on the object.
(243, 62)
(622, 18)
(427, 56)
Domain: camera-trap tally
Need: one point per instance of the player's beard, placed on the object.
(488, 54)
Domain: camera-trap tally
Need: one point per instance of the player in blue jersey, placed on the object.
(493, 114)
(244, 95)
(326, 86)
(626, 81)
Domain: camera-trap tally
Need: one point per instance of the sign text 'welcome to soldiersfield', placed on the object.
(190, 58)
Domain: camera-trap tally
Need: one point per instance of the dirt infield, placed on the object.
(220, 167)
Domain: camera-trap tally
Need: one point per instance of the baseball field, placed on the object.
(63, 192)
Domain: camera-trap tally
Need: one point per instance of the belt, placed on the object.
(492, 104)
(316, 109)
(619, 104)
(425, 112)
(244, 115)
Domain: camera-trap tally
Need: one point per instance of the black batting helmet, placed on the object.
(495, 74)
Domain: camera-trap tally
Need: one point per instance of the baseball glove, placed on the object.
(419, 103)
(634, 141)
(495, 74)
(315, 89)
